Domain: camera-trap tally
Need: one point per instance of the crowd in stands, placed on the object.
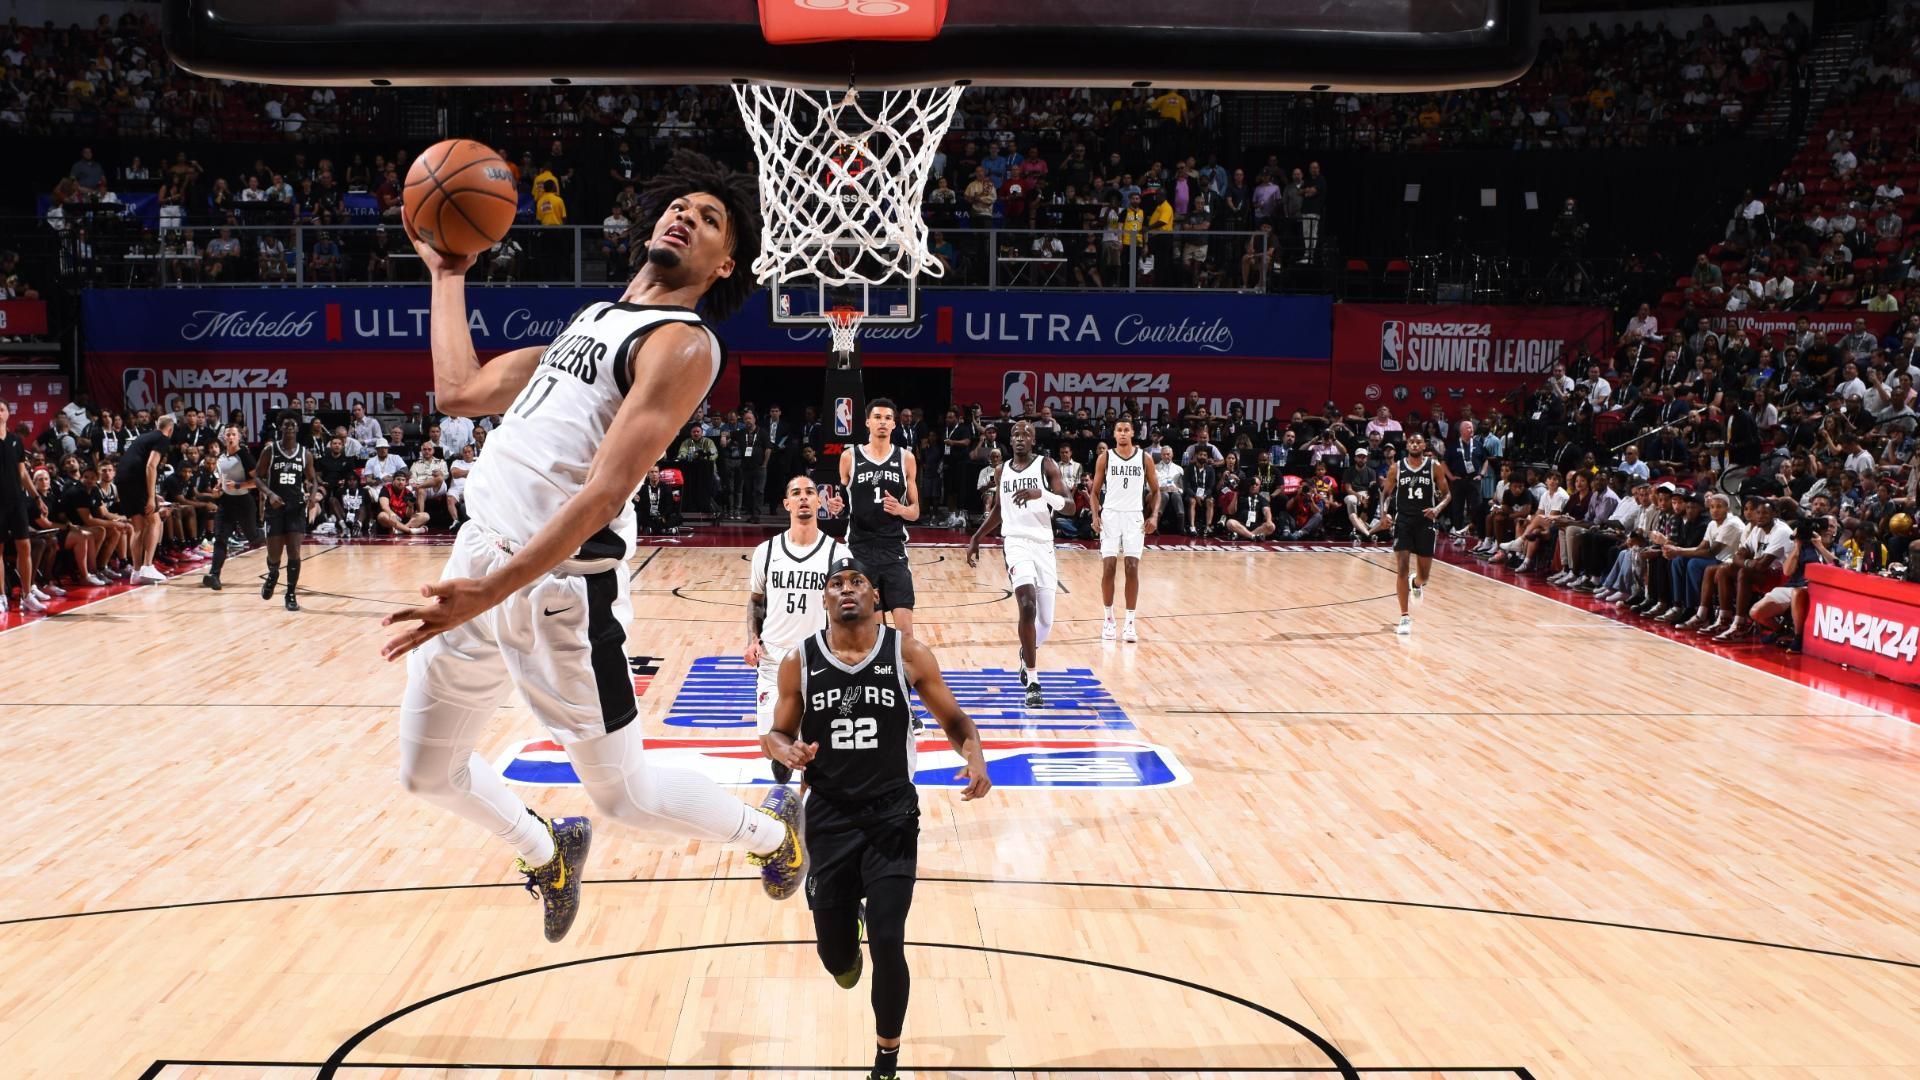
(1628, 86)
(1836, 230)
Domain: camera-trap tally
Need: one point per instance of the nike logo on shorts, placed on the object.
(556, 611)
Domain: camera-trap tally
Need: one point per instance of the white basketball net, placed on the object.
(845, 169)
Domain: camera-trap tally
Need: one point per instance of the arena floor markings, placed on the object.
(1521, 843)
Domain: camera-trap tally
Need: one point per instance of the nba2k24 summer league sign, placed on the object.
(1073, 764)
(1864, 621)
(1023, 385)
(1405, 354)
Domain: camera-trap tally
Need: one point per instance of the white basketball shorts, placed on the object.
(1030, 562)
(1122, 534)
(562, 640)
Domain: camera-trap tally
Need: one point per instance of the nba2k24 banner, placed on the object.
(1070, 764)
(1863, 621)
(1262, 387)
(1418, 355)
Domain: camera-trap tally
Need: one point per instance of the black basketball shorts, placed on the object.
(1415, 535)
(852, 845)
(14, 523)
(131, 501)
(291, 518)
(887, 563)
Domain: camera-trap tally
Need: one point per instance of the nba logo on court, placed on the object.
(1392, 339)
(137, 388)
(1017, 389)
(1079, 764)
(843, 417)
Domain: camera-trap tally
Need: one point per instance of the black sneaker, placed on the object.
(1035, 700)
(292, 604)
(210, 582)
(266, 587)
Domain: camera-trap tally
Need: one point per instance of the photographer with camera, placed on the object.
(698, 458)
(1812, 540)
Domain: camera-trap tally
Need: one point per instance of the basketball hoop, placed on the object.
(845, 169)
(843, 325)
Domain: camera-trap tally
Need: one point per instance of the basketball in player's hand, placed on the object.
(460, 197)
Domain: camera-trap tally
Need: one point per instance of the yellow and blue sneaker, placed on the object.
(783, 868)
(557, 883)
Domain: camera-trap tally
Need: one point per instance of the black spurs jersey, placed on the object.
(285, 474)
(1413, 491)
(872, 481)
(862, 718)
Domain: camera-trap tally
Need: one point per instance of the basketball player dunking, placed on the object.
(845, 717)
(1419, 492)
(787, 577)
(1027, 489)
(535, 592)
(285, 475)
(884, 495)
(1125, 499)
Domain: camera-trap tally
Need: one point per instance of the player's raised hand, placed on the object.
(835, 504)
(796, 755)
(439, 263)
(1025, 496)
(450, 603)
(975, 774)
(892, 505)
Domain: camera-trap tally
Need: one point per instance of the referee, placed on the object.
(844, 716)
(236, 507)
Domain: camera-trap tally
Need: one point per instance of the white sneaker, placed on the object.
(1128, 634)
(94, 579)
(29, 602)
(1405, 627)
(1108, 631)
(3, 603)
(1414, 584)
(38, 594)
(150, 574)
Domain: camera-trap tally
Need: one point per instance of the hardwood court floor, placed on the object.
(1527, 841)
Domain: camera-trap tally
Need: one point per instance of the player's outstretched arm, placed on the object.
(782, 743)
(462, 385)
(988, 523)
(923, 673)
(671, 372)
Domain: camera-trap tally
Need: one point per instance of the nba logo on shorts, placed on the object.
(137, 386)
(1016, 391)
(843, 417)
(1392, 339)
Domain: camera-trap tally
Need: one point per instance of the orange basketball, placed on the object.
(460, 197)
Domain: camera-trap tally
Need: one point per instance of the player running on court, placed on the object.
(535, 592)
(883, 495)
(1125, 500)
(1418, 490)
(787, 579)
(845, 717)
(1027, 489)
(285, 474)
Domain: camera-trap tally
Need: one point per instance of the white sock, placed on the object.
(677, 802)
(1109, 612)
(760, 833)
(532, 840)
(1129, 616)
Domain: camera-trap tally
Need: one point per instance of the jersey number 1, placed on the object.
(850, 733)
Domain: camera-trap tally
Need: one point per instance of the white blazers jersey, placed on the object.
(794, 581)
(538, 457)
(1032, 521)
(1124, 488)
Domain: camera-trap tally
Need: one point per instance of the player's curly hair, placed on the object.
(687, 173)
